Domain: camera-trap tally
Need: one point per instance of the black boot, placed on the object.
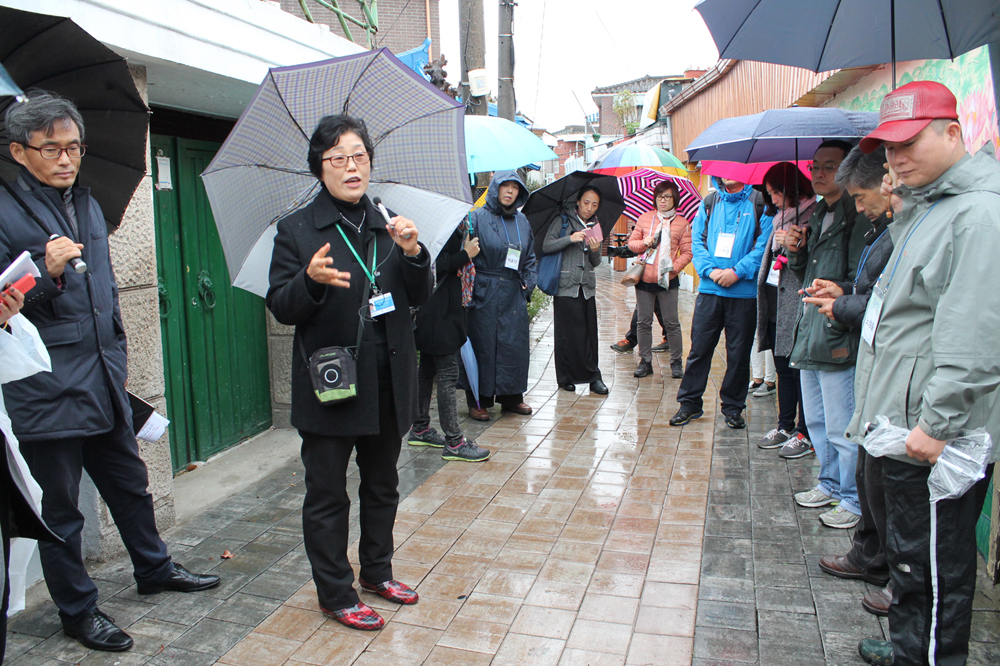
(676, 369)
(645, 369)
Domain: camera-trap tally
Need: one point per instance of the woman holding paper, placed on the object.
(663, 239)
(576, 235)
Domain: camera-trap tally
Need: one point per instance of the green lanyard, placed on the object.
(369, 273)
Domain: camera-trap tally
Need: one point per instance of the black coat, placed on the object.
(332, 319)
(849, 309)
(441, 320)
(79, 321)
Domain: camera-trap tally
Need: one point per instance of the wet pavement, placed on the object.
(597, 534)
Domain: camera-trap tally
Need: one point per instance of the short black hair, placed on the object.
(40, 112)
(327, 135)
(836, 143)
(665, 185)
(587, 188)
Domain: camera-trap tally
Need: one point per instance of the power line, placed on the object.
(538, 72)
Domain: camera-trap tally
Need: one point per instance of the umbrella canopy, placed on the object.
(779, 134)
(497, 144)
(468, 355)
(622, 159)
(55, 54)
(547, 203)
(823, 35)
(637, 191)
(751, 174)
(260, 174)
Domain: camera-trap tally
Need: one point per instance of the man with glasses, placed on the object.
(76, 417)
(828, 247)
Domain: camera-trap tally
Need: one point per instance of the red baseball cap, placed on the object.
(908, 110)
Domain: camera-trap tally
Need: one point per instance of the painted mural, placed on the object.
(968, 76)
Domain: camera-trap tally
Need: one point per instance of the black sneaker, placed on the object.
(429, 437)
(676, 370)
(644, 370)
(662, 347)
(466, 451)
(735, 421)
(774, 439)
(684, 415)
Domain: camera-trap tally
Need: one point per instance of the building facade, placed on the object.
(402, 24)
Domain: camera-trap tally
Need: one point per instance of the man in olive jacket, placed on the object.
(824, 351)
(930, 362)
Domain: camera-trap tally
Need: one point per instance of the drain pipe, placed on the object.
(427, 13)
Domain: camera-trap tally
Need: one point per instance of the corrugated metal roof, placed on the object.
(639, 85)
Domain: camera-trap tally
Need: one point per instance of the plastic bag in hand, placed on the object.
(961, 464)
(886, 439)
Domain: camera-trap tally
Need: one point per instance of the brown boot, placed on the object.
(877, 602)
(479, 414)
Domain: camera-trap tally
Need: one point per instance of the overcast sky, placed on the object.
(567, 46)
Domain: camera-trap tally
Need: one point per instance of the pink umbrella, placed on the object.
(637, 191)
(745, 173)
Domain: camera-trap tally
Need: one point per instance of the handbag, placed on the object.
(550, 267)
(334, 370)
(634, 274)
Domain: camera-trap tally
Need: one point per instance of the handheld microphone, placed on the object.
(385, 213)
(78, 264)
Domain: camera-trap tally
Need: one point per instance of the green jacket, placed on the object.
(936, 356)
(821, 343)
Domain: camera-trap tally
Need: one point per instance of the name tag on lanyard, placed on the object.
(773, 276)
(513, 259)
(873, 312)
(724, 245)
(380, 304)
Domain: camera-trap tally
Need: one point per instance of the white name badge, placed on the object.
(513, 258)
(872, 314)
(773, 276)
(724, 245)
(650, 257)
(380, 304)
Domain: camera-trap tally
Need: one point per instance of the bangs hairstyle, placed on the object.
(588, 188)
(786, 178)
(327, 135)
(662, 187)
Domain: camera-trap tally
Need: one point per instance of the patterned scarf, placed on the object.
(664, 260)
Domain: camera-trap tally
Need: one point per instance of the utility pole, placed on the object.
(473, 43)
(506, 107)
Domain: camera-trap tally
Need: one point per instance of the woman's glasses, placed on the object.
(339, 161)
(665, 197)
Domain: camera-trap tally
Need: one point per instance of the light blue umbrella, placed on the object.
(7, 86)
(471, 368)
(495, 144)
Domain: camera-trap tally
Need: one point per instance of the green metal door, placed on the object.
(214, 336)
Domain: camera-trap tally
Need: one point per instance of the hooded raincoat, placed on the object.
(498, 314)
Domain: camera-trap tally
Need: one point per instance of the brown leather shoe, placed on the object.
(877, 602)
(841, 567)
(520, 408)
(479, 414)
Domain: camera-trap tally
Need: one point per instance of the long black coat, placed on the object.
(332, 320)
(441, 320)
(79, 321)
(849, 309)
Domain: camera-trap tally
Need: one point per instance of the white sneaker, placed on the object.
(774, 439)
(814, 498)
(839, 518)
(765, 390)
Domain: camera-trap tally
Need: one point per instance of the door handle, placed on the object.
(205, 289)
(165, 305)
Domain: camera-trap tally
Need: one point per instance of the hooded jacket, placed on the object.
(731, 213)
(498, 314)
(936, 356)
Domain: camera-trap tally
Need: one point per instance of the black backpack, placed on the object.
(758, 210)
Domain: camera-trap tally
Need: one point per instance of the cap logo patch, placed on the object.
(895, 108)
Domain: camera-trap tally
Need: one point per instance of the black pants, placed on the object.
(908, 554)
(632, 336)
(487, 401)
(868, 543)
(713, 315)
(326, 509)
(576, 339)
(789, 392)
(5, 527)
(445, 370)
(112, 461)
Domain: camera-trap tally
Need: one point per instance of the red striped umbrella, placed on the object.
(637, 191)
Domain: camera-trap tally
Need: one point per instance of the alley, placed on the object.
(597, 534)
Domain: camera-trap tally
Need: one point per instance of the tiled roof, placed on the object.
(635, 85)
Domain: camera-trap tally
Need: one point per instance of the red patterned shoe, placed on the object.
(357, 617)
(392, 590)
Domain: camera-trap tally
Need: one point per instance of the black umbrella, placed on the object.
(546, 204)
(53, 53)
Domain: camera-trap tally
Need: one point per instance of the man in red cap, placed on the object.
(930, 362)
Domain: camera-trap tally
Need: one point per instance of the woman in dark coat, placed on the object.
(498, 314)
(575, 308)
(321, 286)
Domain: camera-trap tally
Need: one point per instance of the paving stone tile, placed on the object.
(327, 648)
(518, 649)
(727, 615)
(260, 650)
(600, 636)
(245, 609)
(211, 636)
(274, 585)
(571, 657)
(726, 644)
(172, 656)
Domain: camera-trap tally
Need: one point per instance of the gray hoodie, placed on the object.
(936, 356)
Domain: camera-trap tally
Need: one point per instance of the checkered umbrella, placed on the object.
(637, 190)
(260, 174)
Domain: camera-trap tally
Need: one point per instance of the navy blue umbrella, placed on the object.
(779, 135)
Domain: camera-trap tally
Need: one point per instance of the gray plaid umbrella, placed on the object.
(260, 174)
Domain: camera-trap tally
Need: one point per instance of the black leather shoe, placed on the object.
(684, 415)
(598, 387)
(97, 631)
(735, 421)
(568, 387)
(644, 370)
(180, 580)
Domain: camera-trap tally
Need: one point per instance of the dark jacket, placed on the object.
(821, 344)
(78, 319)
(498, 314)
(849, 309)
(332, 319)
(578, 262)
(441, 320)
